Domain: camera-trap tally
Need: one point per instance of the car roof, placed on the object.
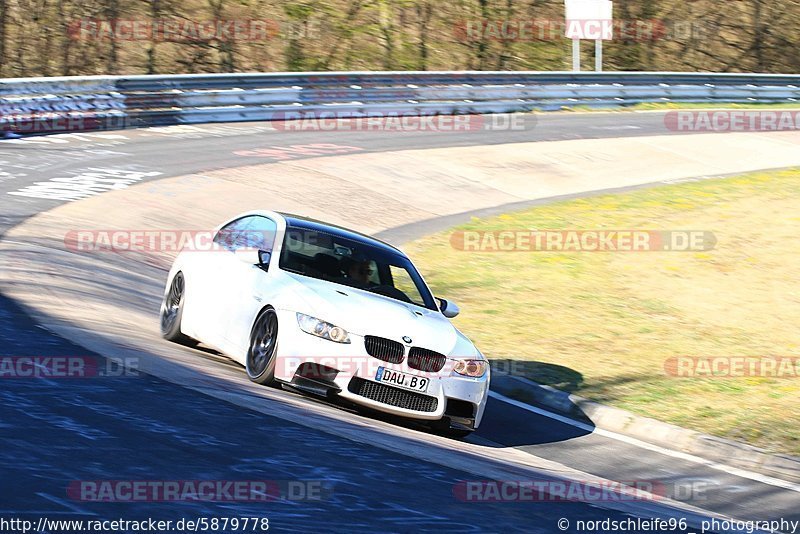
(306, 223)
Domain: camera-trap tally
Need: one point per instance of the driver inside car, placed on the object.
(359, 271)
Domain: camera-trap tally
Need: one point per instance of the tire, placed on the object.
(260, 364)
(172, 311)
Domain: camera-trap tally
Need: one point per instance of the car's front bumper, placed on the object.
(314, 364)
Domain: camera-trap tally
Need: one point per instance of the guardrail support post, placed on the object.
(576, 55)
(598, 55)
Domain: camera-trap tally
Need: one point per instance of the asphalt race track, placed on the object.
(142, 427)
(146, 429)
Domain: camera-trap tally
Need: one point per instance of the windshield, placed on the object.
(353, 263)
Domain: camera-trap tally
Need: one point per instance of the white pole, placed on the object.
(598, 55)
(576, 55)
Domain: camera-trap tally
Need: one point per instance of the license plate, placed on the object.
(403, 380)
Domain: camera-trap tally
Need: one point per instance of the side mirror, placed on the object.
(253, 256)
(448, 309)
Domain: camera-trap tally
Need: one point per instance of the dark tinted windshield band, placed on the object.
(343, 260)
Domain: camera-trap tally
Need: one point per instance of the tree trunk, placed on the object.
(386, 23)
(155, 14)
(3, 23)
(759, 36)
(111, 13)
(424, 12)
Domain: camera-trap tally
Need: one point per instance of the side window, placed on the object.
(260, 233)
(226, 236)
(253, 231)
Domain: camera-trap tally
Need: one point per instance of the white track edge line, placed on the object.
(743, 473)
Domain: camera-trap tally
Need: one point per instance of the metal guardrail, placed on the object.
(45, 105)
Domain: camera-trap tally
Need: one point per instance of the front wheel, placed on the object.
(172, 311)
(263, 344)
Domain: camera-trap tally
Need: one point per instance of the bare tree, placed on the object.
(37, 37)
(424, 14)
(3, 24)
(111, 13)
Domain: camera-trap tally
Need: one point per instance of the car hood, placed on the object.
(364, 313)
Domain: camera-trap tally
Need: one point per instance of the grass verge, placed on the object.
(613, 319)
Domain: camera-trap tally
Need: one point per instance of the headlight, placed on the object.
(315, 327)
(473, 368)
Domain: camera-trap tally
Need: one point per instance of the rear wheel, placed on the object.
(172, 311)
(263, 344)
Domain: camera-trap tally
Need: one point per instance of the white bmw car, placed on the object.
(329, 312)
